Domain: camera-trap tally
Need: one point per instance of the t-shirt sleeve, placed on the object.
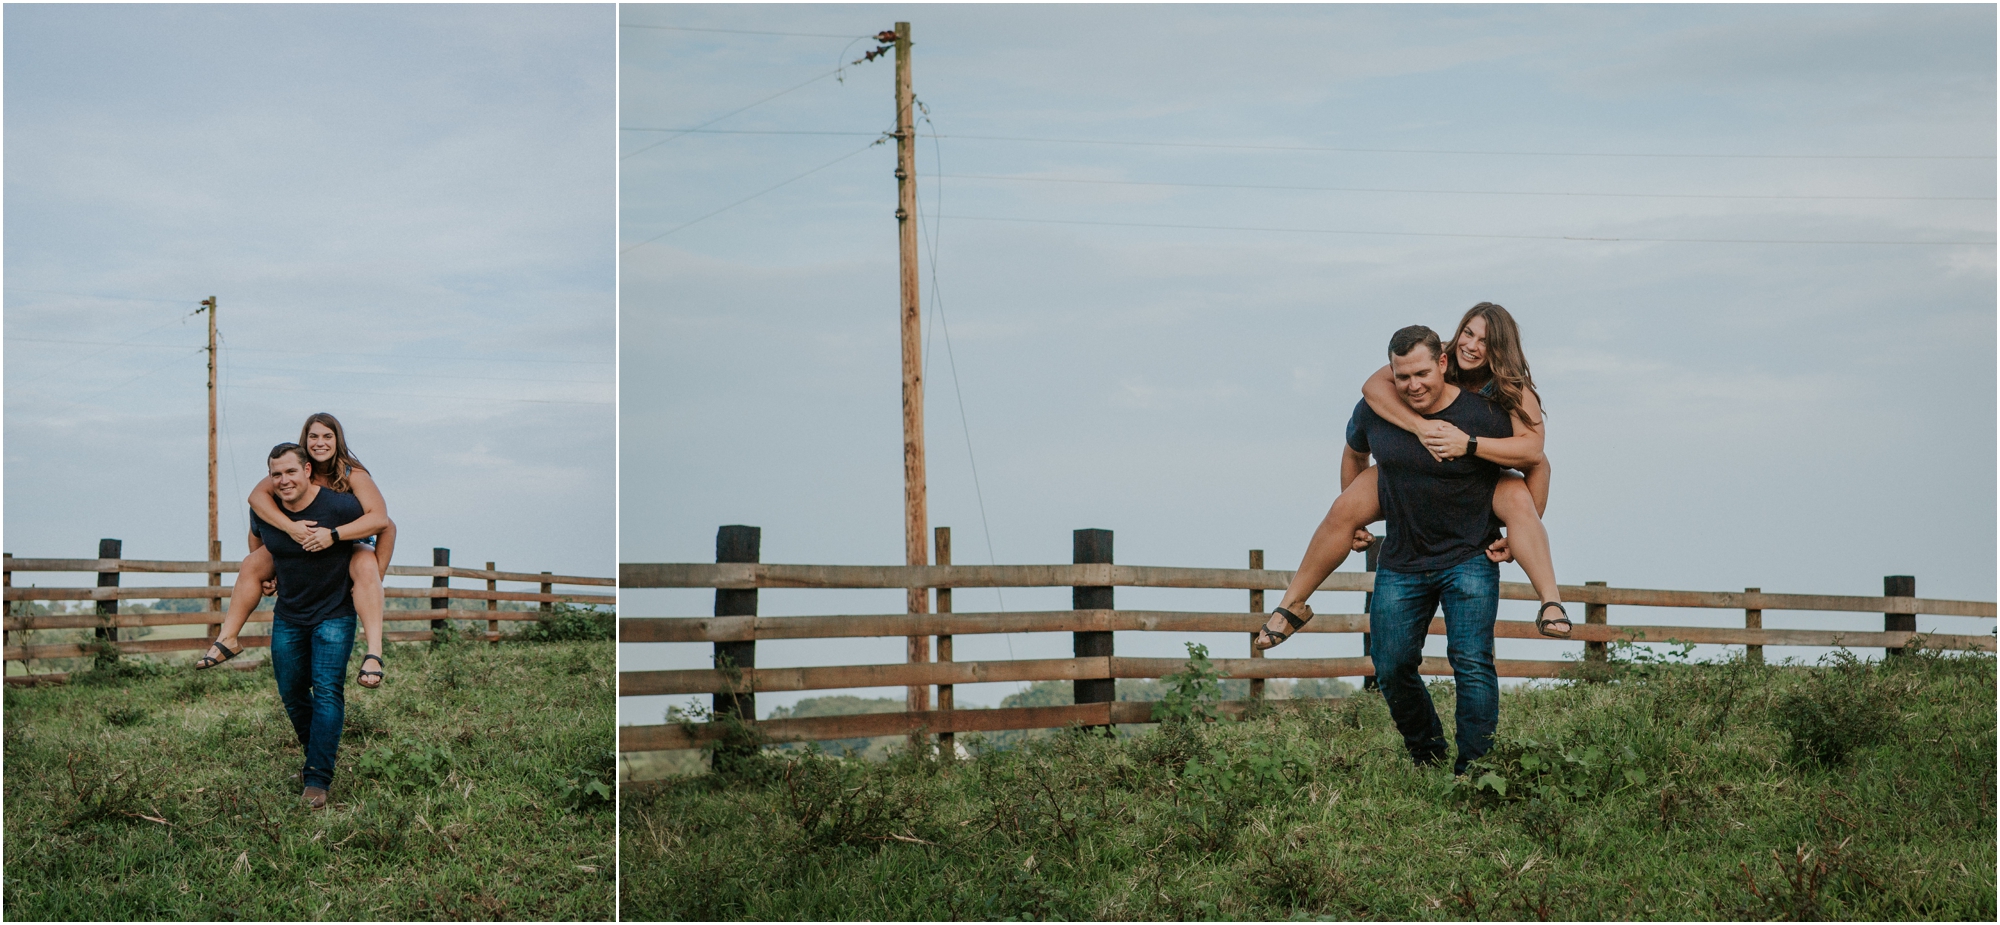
(1357, 435)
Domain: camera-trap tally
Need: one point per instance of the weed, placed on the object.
(380, 826)
(1839, 709)
(1191, 692)
(590, 783)
(116, 671)
(835, 802)
(567, 622)
(364, 721)
(1807, 881)
(125, 715)
(409, 765)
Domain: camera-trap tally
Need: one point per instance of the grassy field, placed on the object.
(464, 791)
(1670, 791)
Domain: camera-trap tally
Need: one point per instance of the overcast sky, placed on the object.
(1803, 417)
(406, 213)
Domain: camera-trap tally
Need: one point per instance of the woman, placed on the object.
(1485, 356)
(335, 468)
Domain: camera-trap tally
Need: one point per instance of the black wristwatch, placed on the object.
(1472, 446)
(336, 534)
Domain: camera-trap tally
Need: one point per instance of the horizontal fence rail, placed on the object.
(739, 575)
(731, 629)
(446, 604)
(736, 628)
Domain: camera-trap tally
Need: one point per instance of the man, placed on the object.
(1440, 522)
(312, 634)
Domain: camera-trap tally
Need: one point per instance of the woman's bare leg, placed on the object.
(385, 543)
(1527, 539)
(1356, 508)
(362, 567)
(251, 574)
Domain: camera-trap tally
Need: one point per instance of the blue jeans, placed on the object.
(1399, 617)
(311, 665)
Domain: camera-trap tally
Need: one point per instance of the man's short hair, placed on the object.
(1408, 338)
(305, 459)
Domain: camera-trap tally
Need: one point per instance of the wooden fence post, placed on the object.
(492, 625)
(12, 638)
(737, 543)
(441, 558)
(1899, 586)
(548, 588)
(1596, 615)
(1093, 546)
(108, 549)
(1753, 619)
(1368, 560)
(1256, 606)
(947, 742)
(215, 581)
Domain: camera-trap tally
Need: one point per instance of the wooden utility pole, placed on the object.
(214, 528)
(915, 517)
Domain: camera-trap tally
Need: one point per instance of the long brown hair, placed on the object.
(335, 470)
(1506, 365)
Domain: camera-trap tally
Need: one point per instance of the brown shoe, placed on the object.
(315, 797)
(1293, 622)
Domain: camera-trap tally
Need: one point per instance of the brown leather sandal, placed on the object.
(1562, 617)
(1297, 623)
(209, 661)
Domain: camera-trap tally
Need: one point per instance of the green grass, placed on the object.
(463, 792)
(1731, 791)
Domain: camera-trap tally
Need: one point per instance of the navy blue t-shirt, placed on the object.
(1439, 513)
(312, 586)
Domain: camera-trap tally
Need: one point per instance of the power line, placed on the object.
(931, 233)
(532, 401)
(316, 371)
(93, 295)
(177, 358)
(731, 113)
(754, 195)
(1451, 234)
(323, 353)
(808, 35)
(1346, 150)
(1454, 192)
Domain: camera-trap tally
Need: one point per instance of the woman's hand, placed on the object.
(1446, 442)
(301, 530)
(318, 539)
(1435, 431)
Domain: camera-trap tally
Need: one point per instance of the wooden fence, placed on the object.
(735, 627)
(446, 603)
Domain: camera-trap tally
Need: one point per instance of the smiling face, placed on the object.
(321, 442)
(291, 476)
(1471, 345)
(1419, 378)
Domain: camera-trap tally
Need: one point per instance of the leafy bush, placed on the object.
(409, 765)
(125, 715)
(590, 784)
(1520, 768)
(836, 802)
(567, 622)
(114, 671)
(1839, 709)
(1217, 792)
(1192, 691)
